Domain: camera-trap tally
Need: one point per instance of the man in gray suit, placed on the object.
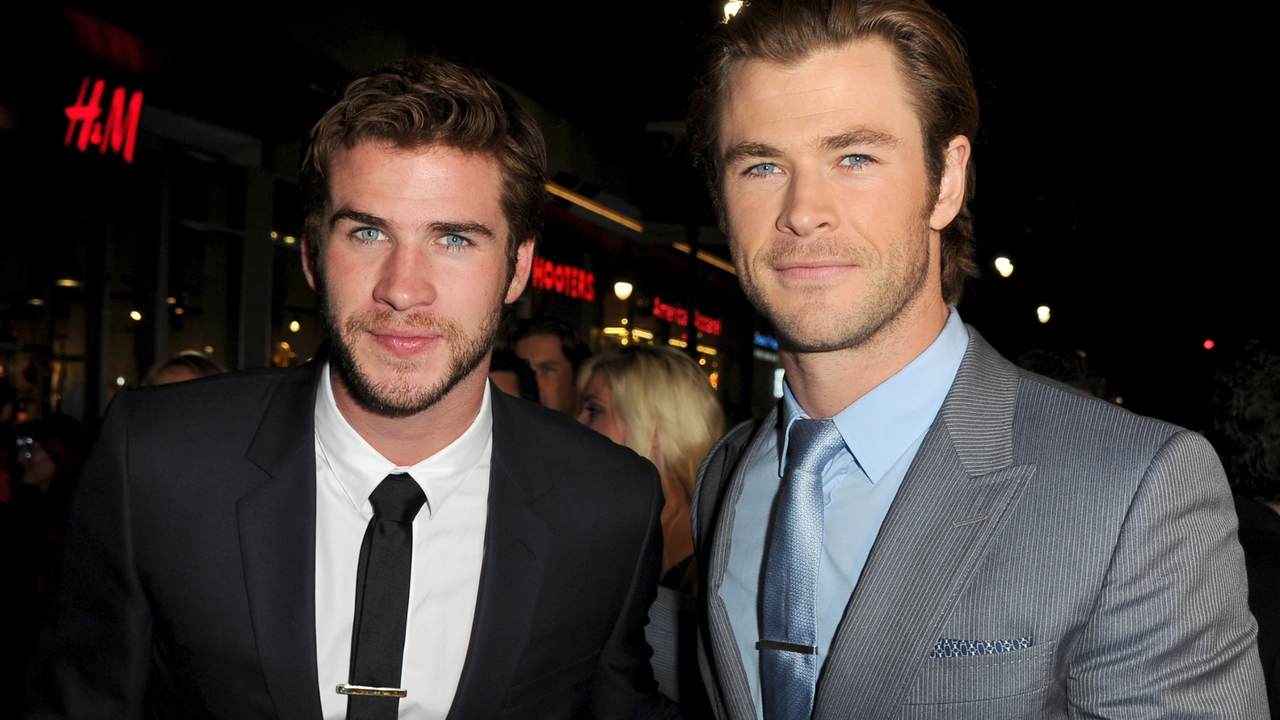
(921, 529)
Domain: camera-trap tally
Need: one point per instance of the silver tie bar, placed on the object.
(347, 689)
(788, 647)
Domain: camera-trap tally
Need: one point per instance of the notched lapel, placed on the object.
(516, 546)
(277, 527)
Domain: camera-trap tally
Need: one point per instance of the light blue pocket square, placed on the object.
(950, 647)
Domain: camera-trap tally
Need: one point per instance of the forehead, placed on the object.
(415, 181)
(858, 85)
(542, 346)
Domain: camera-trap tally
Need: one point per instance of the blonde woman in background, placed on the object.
(657, 402)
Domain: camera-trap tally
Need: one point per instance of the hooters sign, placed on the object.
(117, 131)
(564, 279)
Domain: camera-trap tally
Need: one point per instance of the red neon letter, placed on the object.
(122, 129)
(84, 113)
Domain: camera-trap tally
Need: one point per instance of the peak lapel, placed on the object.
(959, 491)
(517, 541)
(277, 526)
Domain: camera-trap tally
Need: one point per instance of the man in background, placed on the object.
(556, 353)
(921, 529)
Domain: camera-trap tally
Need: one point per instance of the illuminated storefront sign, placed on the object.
(564, 279)
(680, 316)
(120, 129)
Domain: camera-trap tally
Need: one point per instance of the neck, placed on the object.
(408, 440)
(824, 383)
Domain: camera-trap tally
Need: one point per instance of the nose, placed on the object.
(810, 205)
(405, 278)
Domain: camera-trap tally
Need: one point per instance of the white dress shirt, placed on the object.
(448, 550)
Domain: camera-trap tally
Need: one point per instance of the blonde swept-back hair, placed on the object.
(931, 56)
(661, 393)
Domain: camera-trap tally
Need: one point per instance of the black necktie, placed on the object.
(382, 601)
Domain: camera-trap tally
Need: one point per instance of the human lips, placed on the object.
(399, 336)
(404, 342)
(814, 268)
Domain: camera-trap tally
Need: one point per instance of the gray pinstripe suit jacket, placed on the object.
(1108, 538)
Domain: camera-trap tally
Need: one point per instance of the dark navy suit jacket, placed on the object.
(189, 576)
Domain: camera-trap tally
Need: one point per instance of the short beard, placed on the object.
(885, 302)
(400, 397)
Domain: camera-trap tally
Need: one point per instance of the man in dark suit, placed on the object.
(379, 533)
(920, 529)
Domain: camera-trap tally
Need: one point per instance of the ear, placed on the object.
(524, 265)
(951, 188)
(307, 255)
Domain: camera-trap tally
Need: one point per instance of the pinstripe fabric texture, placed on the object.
(1030, 511)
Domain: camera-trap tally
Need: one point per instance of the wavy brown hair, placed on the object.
(424, 101)
(931, 57)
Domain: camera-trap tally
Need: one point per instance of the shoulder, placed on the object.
(205, 411)
(215, 394)
(1054, 420)
(551, 451)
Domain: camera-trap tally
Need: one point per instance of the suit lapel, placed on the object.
(961, 488)
(277, 526)
(730, 676)
(517, 541)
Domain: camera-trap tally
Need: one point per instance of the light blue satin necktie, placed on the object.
(789, 638)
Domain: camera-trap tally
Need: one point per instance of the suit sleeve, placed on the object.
(93, 659)
(1171, 635)
(623, 684)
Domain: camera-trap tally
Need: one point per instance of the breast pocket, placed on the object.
(557, 682)
(976, 678)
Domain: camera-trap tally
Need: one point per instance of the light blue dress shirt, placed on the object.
(882, 432)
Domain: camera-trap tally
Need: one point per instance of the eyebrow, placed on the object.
(358, 217)
(463, 228)
(441, 228)
(861, 136)
(745, 149)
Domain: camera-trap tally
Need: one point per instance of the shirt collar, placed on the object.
(359, 468)
(880, 426)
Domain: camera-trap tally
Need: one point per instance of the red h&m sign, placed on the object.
(120, 129)
(680, 316)
(564, 279)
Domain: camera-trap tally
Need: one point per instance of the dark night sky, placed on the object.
(1118, 166)
(1119, 161)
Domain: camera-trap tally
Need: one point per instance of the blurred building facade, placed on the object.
(152, 168)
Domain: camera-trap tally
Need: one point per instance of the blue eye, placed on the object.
(763, 169)
(452, 241)
(856, 160)
(368, 234)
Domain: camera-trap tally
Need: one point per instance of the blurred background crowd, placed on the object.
(150, 178)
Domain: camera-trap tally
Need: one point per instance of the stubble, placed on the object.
(401, 394)
(809, 321)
